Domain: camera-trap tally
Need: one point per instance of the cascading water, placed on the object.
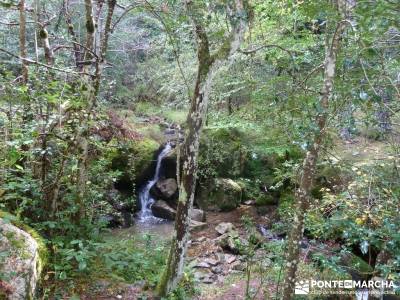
(144, 195)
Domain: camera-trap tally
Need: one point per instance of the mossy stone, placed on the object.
(42, 249)
(143, 151)
(135, 157)
(356, 265)
(18, 243)
(222, 194)
(266, 199)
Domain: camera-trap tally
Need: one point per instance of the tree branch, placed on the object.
(30, 61)
(127, 9)
(251, 51)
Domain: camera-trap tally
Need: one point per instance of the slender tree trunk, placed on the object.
(104, 45)
(22, 40)
(48, 55)
(90, 32)
(303, 192)
(71, 31)
(207, 66)
(48, 52)
(36, 18)
(94, 85)
(82, 135)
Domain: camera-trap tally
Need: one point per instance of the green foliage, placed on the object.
(39, 174)
(132, 259)
(222, 153)
(186, 288)
(361, 216)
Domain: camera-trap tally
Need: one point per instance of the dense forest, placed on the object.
(226, 149)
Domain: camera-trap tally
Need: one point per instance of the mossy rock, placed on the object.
(231, 152)
(266, 199)
(143, 151)
(42, 249)
(356, 266)
(26, 253)
(221, 194)
(360, 265)
(134, 158)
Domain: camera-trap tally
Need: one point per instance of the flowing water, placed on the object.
(144, 195)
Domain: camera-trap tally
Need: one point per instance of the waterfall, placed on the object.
(144, 195)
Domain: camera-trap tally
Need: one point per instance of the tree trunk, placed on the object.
(22, 40)
(71, 31)
(207, 66)
(90, 33)
(94, 85)
(103, 46)
(48, 52)
(302, 194)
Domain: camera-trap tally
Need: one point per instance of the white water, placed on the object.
(144, 195)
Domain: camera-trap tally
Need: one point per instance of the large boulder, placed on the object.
(143, 154)
(135, 160)
(161, 209)
(21, 267)
(358, 268)
(221, 194)
(164, 189)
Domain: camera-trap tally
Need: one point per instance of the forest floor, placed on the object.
(361, 151)
(228, 284)
(231, 283)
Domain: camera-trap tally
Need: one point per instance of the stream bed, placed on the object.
(158, 230)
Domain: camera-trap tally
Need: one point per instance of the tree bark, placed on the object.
(76, 48)
(90, 32)
(22, 40)
(302, 195)
(48, 52)
(104, 45)
(82, 135)
(207, 66)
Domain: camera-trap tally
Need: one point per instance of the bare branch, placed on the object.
(251, 51)
(30, 61)
(127, 10)
(86, 48)
(316, 69)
